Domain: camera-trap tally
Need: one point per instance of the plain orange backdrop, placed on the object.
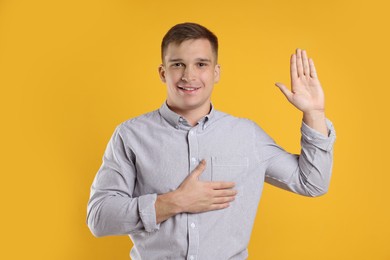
(70, 71)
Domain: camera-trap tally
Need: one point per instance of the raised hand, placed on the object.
(194, 196)
(306, 92)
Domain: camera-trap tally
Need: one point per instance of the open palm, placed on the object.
(306, 92)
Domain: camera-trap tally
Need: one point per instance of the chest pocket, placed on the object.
(228, 168)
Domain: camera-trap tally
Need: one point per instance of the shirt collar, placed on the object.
(180, 122)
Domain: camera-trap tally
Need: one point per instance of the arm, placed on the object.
(306, 174)
(309, 173)
(113, 210)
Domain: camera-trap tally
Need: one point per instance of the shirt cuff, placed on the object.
(147, 212)
(317, 139)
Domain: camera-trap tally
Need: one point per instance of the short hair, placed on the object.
(188, 31)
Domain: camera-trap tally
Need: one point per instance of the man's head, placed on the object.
(189, 68)
(188, 31)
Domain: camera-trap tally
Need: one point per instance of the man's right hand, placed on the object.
(194, 196)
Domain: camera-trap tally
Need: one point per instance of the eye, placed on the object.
(177, 65)
(201, 64)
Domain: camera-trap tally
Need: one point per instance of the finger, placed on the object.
(199, 169)
(219, 206)
(306, 69)
(223, 200)
(284, 90)
(313, 71)
(221, 185)
(293, 67)
(225, 193)
(299, 63)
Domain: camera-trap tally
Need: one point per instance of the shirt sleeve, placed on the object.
(112, 209)
(308, 173)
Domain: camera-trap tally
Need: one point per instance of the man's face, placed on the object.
(190, 71)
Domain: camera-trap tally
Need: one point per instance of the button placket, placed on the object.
(192, 224)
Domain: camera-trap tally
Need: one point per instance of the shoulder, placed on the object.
(234, 120)
(139, 122)
(241, 124)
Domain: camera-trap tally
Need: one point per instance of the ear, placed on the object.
(217, 73)
(161, 72)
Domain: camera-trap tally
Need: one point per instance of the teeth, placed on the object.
(190, 89)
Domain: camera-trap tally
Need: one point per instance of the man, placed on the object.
(184, 181)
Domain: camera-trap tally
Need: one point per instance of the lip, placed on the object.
(188, 89)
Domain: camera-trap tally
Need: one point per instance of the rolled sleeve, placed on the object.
(317, 139)
(147, 212)
(309, 172)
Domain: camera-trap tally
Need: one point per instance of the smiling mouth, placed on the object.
(188, 89)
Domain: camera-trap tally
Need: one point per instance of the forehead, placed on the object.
(190, 49)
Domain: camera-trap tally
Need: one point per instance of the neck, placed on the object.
(192, 115)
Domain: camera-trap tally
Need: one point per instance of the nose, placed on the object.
(188, 74)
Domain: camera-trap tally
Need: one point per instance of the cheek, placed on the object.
(170, 80)
(173, 77)
(208, 78)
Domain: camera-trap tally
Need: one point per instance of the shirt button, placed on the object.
(193, 225)
(193, 160)
(191, 132)
(177, 127)
(192, 257)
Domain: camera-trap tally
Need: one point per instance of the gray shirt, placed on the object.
(153, 153)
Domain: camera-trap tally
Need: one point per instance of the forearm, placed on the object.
(309, 173)
(110, 214)
(315, 169)
(316, 158)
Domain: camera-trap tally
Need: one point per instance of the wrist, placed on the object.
(166, 206)
(316, 120)
(314, 116)
(171, 202)
(177, 202)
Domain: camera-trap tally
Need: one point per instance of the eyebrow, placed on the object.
(198, 59)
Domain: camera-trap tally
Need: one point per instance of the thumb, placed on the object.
(199, 169)
(284, 90)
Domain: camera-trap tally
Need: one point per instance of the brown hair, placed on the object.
(188, 31)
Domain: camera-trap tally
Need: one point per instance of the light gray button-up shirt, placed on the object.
(153, 153)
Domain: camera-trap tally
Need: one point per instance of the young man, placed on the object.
(184, 181)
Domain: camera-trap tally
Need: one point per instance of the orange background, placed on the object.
(70, 71)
